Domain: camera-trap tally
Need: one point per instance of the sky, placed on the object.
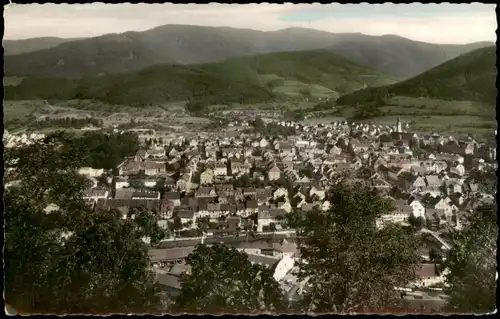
(435, 23)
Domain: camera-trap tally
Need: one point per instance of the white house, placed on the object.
(264, 218)
(461, 199)
(419, 182)
(50, 208)
(143, 194)
(460, 168)
(187, 216)
(455, 187)
(93, 180)
(397, 216)
(220, 169)
(335, 151)
(469, 149)
(432, 191)
(89, 171)
(150, 183)
(418, 208)
(326, 205)
(263, 143)
(96, 194)
(445, 206)
(274, 173)
(121, 182)
(280, 192)
(207, 177)
(318, 191)
(253, 251)
(302, 143)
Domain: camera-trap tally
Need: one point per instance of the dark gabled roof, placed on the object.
(426, 270)
(380, 182)
(307, 207)
(264, 208)
(213, 207)
(224, 187)
(203, 205)
(185, 213)
(179, 269)
(274, 169)
(275, 212)
(252, 204)
(263, 259)
(228, 208)
(124, 193)
(169, 253)
(401, 136)
(264, 192)
(191, 202)
(205, 190)
(401, 202)
(130, 203)
(233, 221)
(173, 195)
(248, 190)
(145, 194)
(474, 187)
(433, 180)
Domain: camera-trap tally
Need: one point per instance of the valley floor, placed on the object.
(21, 115)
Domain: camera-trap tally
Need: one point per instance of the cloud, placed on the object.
(387, 11)
(455, 23)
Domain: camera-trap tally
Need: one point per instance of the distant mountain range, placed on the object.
(469, 77)
(399, 56)
(183, 44)
(262, 78)
(12, 47)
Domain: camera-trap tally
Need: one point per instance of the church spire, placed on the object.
(399, 128)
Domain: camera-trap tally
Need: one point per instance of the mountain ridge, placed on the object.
(184, 44)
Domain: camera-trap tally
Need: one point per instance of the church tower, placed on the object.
(399, 129)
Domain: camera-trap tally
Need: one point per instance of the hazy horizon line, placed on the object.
(250, 29)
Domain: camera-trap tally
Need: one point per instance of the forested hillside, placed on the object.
(470, 77)
(240, 80)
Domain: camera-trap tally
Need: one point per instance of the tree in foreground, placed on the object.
(350, 264)
(416, 222)
(472, 264)
(69, 259)
(222, 280)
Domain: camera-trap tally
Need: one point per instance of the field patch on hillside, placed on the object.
(12, 80)
(20, 110)
(424, 106)
(458, 125)
(295, 88)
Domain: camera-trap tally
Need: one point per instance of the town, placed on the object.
(235, 186)
(250, 159)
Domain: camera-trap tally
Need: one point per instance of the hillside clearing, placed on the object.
(12, 80)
